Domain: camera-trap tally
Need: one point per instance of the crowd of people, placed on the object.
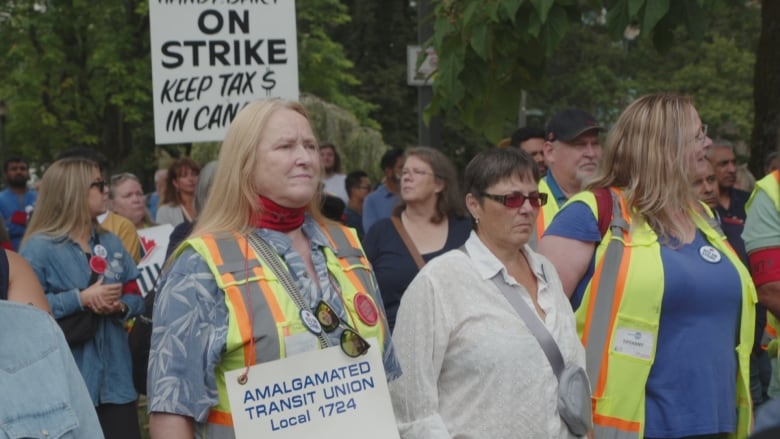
(576, 281)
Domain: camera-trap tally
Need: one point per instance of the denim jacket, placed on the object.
(43, 393)
(63, 271)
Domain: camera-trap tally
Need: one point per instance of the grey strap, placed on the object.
(268, 255)
(537, 328)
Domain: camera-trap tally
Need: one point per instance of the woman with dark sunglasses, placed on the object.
(262, 276)
(471, 366)
(89, 278)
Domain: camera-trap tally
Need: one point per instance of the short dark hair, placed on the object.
(390, 157)
(522, 134)
(14, 159)
(353, 180)
(336, 155)
(496, 164)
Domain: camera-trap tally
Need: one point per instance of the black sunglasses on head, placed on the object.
(351, 342)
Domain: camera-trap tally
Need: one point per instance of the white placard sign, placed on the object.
(316, 394)
(154, 243)
(212, 57)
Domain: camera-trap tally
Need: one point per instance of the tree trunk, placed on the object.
(766, 88)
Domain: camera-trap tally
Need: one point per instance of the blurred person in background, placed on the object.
(177, 202)
(430, 221)
(85, 270)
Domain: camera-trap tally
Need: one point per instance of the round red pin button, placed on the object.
(366, 309)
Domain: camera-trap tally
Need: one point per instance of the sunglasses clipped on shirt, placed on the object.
(517, 199)
(351, 342)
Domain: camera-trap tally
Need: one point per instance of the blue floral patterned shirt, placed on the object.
(191, 324)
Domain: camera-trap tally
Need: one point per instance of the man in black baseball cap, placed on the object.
(572, 151)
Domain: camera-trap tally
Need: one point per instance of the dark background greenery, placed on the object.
(78, 73)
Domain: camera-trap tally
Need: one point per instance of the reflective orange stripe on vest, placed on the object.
(605, 427)
(609, 279)
(220, 417)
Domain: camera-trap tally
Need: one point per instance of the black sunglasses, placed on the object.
(351, 342)
(516, 199)
(100, 184)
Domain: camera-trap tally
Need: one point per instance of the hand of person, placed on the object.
(19, 217)
(102, 298)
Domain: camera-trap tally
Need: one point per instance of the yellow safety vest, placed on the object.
(627, 263)
(770, 184)
(275, 315)
(546, 213)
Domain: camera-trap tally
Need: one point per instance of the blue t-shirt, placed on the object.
(692, 384)
(377, 205)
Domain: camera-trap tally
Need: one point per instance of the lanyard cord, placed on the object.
(242, 379)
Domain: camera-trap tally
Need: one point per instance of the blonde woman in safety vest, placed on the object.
(221, 307)
(667, 309)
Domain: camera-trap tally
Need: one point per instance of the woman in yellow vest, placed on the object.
(223, 307)
(664, 307)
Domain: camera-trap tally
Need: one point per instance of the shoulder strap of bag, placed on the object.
(604, 205)
(268, 255)
(5, 274)
(537, 328)
(408, 242)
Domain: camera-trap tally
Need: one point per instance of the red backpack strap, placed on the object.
(604, 205)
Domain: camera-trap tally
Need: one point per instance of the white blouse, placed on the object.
(471, 368)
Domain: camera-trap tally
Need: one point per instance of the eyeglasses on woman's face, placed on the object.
(517, 199)
(415, 172)
(351, 342)
(702, 137)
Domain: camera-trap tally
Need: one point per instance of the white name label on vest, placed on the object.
(633, 342)
(323, 393)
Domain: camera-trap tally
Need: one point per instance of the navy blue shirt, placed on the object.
(394, 266)
(732, 221)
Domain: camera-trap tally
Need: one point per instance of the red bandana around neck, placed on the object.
(276, 217)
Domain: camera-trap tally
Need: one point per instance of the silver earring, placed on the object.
(476, 220)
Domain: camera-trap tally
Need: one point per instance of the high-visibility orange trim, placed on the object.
(540, 225)
(620, 286)
(220, 418)
(273, 305)
(242, 321)
(770, 330)
(211, 244)
(620, 424)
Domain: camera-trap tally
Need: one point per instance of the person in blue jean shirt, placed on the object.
(37, 368)
(82, 267)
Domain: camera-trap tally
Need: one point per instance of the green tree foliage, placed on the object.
(376, 41)
(75, 74)
(78, 73)
(593, 71)
(489, 50)
(766, 83)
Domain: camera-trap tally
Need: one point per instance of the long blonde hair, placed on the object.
(648, 156)
(62, 208)
(234, 197)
